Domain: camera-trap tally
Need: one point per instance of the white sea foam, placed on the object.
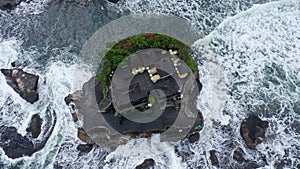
(249, 64)
(247, 46)
(135, 151)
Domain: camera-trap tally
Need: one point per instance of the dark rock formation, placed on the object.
(35, 126)
(13, 64)
(15, 145)
(75, 117)
(194, 137)
(184, 152)
(68, 99)
(85, 148)
(148, 163)
(23, 83)
(253, 130)
(213, 158)
(238, 155)
(9, 4)
(113, 1)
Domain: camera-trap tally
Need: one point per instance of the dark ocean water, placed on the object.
(249, 62)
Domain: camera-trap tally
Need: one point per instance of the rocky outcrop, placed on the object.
(253, 130)
(15, 145)
(113, 1)
(25, 84)
(10, 4)
(35, 126)
(148, 163)
(239, 156)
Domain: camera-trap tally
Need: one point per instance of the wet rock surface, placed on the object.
(10, 4)
(35, 126)
(213, 158)
(85, 148)
(15, 145)
(148, 163)
(113, 1)
(25, 84)
(238, 155)
(194, 137)
(253, 131)
(233, 155)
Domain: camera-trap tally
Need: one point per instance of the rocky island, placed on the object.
(147, 84)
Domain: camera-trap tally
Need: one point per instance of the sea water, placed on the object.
(248, 60)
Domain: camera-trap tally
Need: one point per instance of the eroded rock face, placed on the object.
(15, 145)
(25, 84)
(82, 135)
(148, 163)
(253, 130)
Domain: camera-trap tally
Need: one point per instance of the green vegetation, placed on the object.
(151, 100)
(124, 48)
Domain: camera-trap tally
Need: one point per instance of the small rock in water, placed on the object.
(213, 158)
(253, 130)
(85, 148)
(194, 137)
(13, 64)
(35, 126)
(238, 155)
(15, 145)
(25, 84)
(113, 1)
(148, 163)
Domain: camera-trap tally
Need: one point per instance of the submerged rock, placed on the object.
(253, 130)
(15, 145)
(148, 163)
(213, 158)
(10, 4)
(35, 126)
(25, 84)
(85, 148)
(238, 155)
(113, 1)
